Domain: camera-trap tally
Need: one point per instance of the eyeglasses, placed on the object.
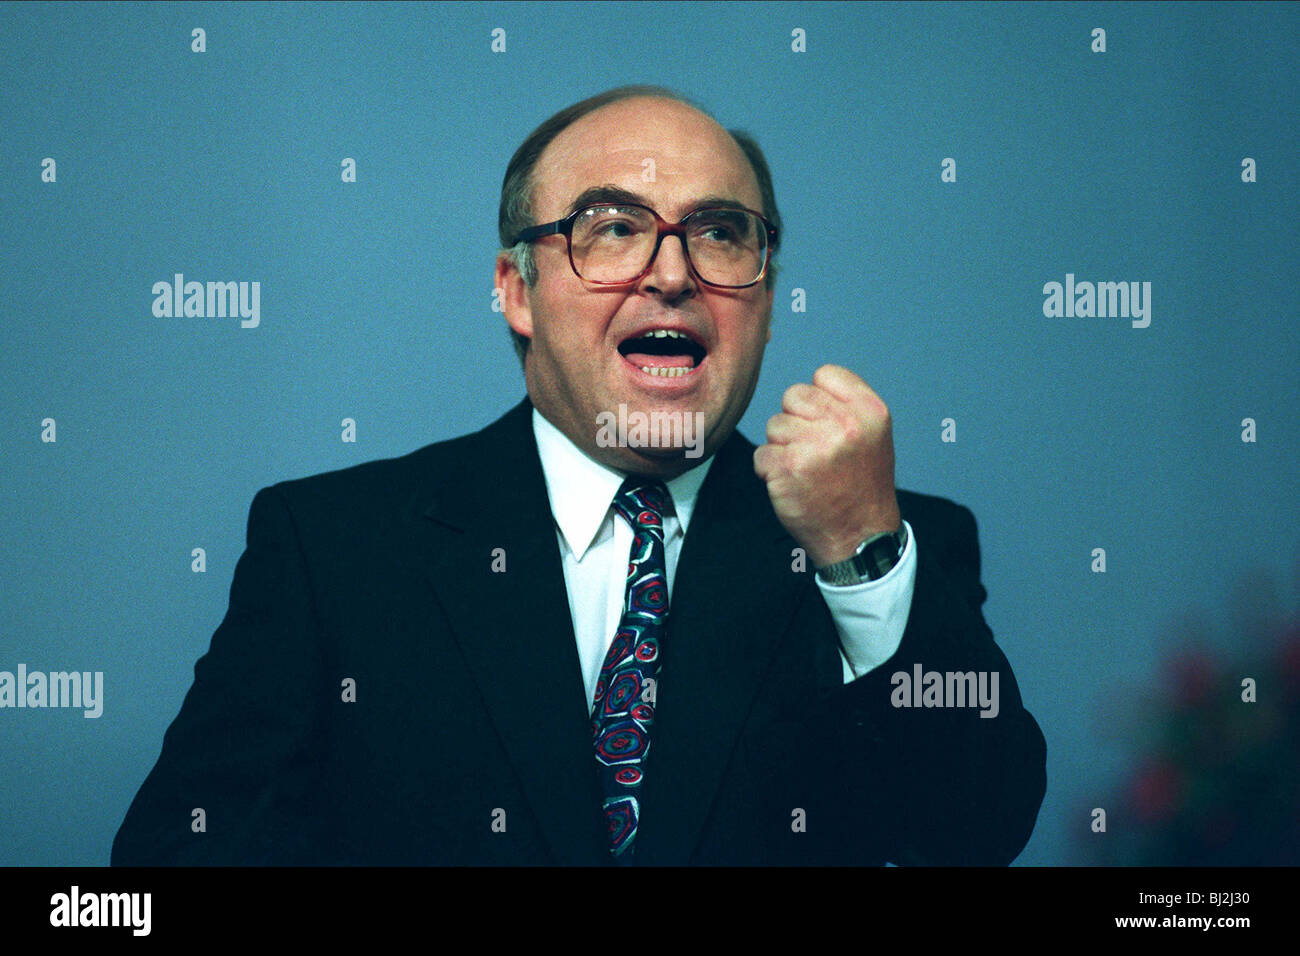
(615, 243)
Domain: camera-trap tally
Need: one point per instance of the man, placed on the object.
(450, 657)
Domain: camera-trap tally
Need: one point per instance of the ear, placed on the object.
(771, 293)
(514, 296)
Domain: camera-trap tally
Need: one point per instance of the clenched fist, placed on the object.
(829, 465)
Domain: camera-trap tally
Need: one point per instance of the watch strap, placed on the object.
(873, 559)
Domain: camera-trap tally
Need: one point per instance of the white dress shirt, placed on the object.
(595, 542)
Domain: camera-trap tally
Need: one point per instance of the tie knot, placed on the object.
(642, 501)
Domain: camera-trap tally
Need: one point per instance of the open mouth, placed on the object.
(665, 353)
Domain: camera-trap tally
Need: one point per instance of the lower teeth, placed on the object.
(675, 372)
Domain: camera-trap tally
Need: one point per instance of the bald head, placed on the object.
(651, 141)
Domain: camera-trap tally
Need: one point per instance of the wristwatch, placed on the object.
(874, 559)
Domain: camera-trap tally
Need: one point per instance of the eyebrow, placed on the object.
(616, 194)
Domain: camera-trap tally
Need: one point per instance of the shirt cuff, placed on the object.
(870, 617)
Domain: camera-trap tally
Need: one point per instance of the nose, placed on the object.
(670, 275)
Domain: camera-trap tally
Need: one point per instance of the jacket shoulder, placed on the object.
(410, 481)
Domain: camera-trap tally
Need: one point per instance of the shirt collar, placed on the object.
(581, 489)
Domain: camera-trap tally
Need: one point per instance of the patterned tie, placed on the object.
(623, 709)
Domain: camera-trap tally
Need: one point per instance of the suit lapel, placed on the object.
(514, 626)
(733, 597)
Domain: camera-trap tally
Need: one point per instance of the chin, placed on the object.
(652, 435)
(659, 466)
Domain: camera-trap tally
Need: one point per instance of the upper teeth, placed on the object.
(666, 334)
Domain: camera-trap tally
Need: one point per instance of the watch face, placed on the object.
(880, 556)
(874, 559)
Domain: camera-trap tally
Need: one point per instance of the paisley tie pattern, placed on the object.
(623, 708)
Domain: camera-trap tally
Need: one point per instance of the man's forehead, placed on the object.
(675, 157)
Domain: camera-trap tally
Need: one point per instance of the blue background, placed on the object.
(376, 305)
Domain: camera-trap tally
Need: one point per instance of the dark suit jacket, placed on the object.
(470, 701)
